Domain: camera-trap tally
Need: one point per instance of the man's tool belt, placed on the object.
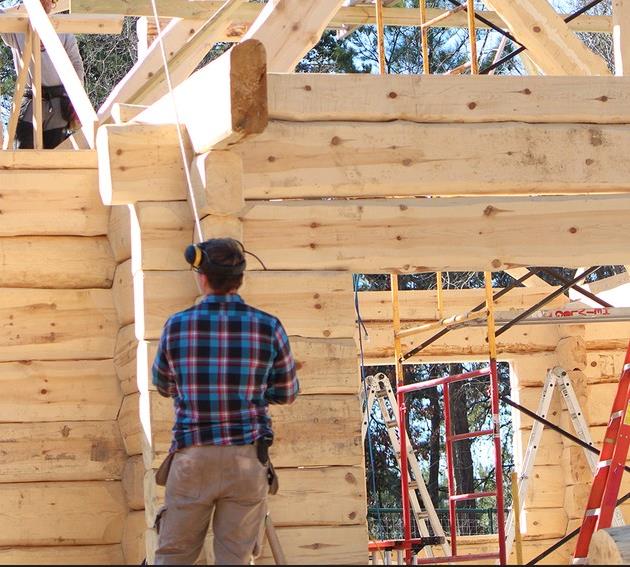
(262, 451)
(48, 92)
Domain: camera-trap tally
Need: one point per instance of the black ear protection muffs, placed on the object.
(197, 255)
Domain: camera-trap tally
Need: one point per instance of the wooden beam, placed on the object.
(305, 97)
(353, 16)
(424, 235)
(66, 23)
(42, 391)
(621, 37)
(42, 159)
(550, 42)
(343, 159)
(290, 28)
(73, 85)
(221, 104)
(56, 262)
(63, 555)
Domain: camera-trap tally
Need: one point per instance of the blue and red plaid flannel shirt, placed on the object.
(223, 362)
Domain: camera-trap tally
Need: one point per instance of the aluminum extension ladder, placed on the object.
(557, 378)
(380, 390)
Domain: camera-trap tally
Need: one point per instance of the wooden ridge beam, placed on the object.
(421, 235)
(305, 97)
(66, 23)
(344, 159)
(354, 15)
(551, 44)
(291, 28)
(232, 90)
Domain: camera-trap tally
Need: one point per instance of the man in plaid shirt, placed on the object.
(222, 361)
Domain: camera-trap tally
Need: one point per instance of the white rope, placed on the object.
(180, 136)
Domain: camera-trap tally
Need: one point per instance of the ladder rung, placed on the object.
(456, 558)
(471, 496)
(470, 435)
(391, 423)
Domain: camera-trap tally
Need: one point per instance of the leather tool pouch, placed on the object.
(262, 451)
(161, 476)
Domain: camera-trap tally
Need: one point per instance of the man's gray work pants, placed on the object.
(227, 480)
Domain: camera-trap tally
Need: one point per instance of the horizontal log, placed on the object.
(438, 234)
(77, 390)
(610, 546)
(549, 448)
(233, 89)
(545, 523)
(119, 232)
(604, 366)
(57, 324)
(309, 304)
(546, 488)
(319, 496)
(352, 15)
(326, 366)
(66, 23)
(360, 159)
(51, 202)
(317, 545)
(61, 160)
(123, 293)
(61, 262)
(468, 343)
(305, 97)
(600, 400)
(66, 513)
(133, 360)
(61, 451)
(63, 555)
(420, 305)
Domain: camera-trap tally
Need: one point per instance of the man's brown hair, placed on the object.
(224, 264)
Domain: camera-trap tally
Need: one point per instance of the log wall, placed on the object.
(62, 456)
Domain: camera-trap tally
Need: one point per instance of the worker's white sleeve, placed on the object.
(72, 48)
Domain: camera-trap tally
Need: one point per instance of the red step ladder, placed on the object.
(451, 438)
(612, 459)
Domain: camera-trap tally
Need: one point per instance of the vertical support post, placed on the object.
(516, 506)
(402, 419)
(621, 36)
(450, 467)
(440, 294)
(36, 88)
(424, 38)
(472, 29)
(494, 393)
(380, 36)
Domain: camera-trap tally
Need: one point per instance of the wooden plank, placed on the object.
(290, 28)
(319, 496)
(326, 366)
(550, 42)
(56, 261)
(51, 202)
(544, 523)
(77, 390)
(421, 305)
(61, 451)
(317, 545)
(63, 555)
(70, 513)
(352, 15)
(344, 159)
(438, 234)
(57, 324)
(66, 23)
(317, 430)
(307, 97)
(309, 304)
(621, 42)
(58, 55)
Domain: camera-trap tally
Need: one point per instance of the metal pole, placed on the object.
(576, 287)
(452, 489)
